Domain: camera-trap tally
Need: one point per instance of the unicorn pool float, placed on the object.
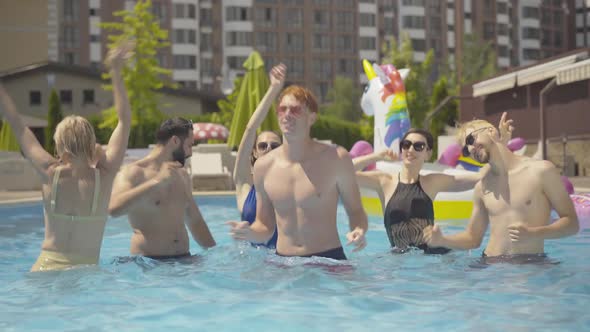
(385, 99)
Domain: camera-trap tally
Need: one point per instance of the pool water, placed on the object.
(238, 287)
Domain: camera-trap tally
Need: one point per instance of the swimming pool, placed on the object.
(238, 287)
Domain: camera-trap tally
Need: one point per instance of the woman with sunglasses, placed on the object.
(406, 197)
(253, 147)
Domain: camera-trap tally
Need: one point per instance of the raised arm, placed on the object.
(351, 199)
(471, 237)
(115, 152)
(566, 225)
(242, 169)
(363, 161)
(42, 161)
(262, 229)
(440, 182)
(194, 219)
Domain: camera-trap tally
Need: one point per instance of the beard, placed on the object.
(179, 156)
(482, 156)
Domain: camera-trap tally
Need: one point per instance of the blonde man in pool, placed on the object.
(75, 193)
(515, 198)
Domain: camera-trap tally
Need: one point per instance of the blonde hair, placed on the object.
(75, 135)
(475, 124)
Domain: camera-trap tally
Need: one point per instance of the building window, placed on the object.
(159, 11)
(265, 17)
(65, 97)
(71, 9)
(367, 43)
(389, 25)
(322, 69)
(530, 33)
(34, 98)
(237, 14)
(344, 21)
(489, 30)
(70, 58)
(266, 41)
(294, 18)
(192, 13)
(94, 38)
(205, 45)
(236, 62)
(557, 39)
(502, 29)
(239, 38)
(206, 67)
(70, 36)
(502, 8)
(321, 43)
(503, 51)
(413, 22)
(415, 3)
(161, 60)
(295, 67)
(530, 12)
(88, 97)
(93, 12)
(530, 54)
(367, 20)
(419, 45)
(321, 19)
(182, 36)
(344, 44)
(205, 17)
(185, 62)
(294, 42)
(178, 10)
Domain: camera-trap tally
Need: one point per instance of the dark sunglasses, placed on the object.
(470, 140)
(262, 146)
(405, 145)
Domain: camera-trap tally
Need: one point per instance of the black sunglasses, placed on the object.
(405, 145)
(262, 146)
(470, 140)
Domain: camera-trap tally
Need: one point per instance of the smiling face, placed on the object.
(477, 138)
(414, 149)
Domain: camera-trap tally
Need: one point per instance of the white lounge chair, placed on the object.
(208, 172)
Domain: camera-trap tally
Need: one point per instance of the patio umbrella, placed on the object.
(203, 131)
(253, 88)
(8, 141)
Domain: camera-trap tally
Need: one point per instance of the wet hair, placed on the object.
(173, 127)
(303, 95)
(424, 133)
(75, 135)
(252, 157)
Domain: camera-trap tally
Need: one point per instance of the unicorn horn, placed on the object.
(368, 70)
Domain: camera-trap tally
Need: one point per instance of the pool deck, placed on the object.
(581, 185)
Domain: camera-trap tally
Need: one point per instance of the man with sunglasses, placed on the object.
(298, 186)
(156, 194)
(515, 198)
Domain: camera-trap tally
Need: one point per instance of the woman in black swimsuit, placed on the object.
(406, 197)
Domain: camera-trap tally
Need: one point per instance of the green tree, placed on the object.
(144, 77)
(418, 83)
(479, 60)
(447, 116)
(54, 116)
(344, 100)
(227, 105)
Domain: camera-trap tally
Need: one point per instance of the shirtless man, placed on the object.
(298, 185)
(156, 194)
(515, 198)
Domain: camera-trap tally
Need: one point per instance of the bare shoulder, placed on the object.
(263, 163)
(541, 167)
(132, 172)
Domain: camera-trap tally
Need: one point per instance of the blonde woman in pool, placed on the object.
(75, 193)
